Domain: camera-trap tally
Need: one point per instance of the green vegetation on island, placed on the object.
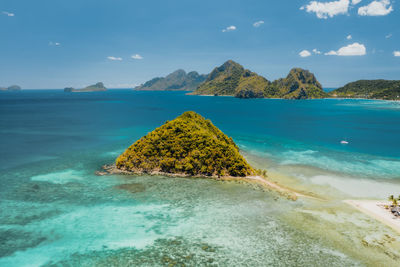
(298, 84)
(371, 89)
(11, 88)
(233, 80)
(178, 80)
(188, 145)
(98, 87)
(224, 80)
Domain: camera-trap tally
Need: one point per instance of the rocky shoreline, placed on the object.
(255, 180)
(112, 169)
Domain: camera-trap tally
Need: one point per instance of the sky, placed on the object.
(51, 44)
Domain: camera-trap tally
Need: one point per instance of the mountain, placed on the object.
(187, 145)
(178, 80)
(91, 88)
(373, 89)
(233, 80)
(298, 84)
(11, 88)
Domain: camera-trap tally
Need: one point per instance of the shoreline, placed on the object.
(329, 98)
(361, 98)
(263, 181)
(373, 208)
(376, 210)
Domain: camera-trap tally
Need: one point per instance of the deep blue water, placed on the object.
(47, 123)
(54, 209)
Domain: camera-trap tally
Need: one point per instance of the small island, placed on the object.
(189, 145)
(11, 88)
(98, 87)
(369, 89)
(231, 79)
(177, 81)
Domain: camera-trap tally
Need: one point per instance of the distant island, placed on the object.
(231, 79)
(11, 88)
(369, 89)
(98, 87)
(177, 81)
(186, 146)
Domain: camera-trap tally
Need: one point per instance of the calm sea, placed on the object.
(54, 210)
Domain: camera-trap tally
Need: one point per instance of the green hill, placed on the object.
(189, 145)
(233, 80)
(98, 87)
(224, 80)
(252, 86)
(373, 89)
(178, 80)
(299, 84)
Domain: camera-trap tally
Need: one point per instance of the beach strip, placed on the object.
(376, 209)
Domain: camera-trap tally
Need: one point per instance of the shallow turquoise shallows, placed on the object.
(56, 211)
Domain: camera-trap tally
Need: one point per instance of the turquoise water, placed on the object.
(55, 211)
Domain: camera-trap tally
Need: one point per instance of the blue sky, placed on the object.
(60, 43)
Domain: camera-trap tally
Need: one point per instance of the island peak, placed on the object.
(298, 84)
(233, 79)
(188, 145)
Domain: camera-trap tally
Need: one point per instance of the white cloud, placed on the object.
(54, 44)
(323, 10)
(355, 49)
(396, 53)
(8, 14)
(258, 23)
(349, 37)
(137, 56)
(229, 29)
(355, 2)
(376, 8)
(388, 36)
(316, 51)
(114, 58)
(305, 53)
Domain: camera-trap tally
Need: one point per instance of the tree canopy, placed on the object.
(188, 145)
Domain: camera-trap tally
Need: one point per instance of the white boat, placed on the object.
(343, 142)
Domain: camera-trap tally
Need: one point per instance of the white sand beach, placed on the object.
(376, 209)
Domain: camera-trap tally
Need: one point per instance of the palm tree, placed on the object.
(393, 200)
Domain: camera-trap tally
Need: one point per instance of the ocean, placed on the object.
(56, 212)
